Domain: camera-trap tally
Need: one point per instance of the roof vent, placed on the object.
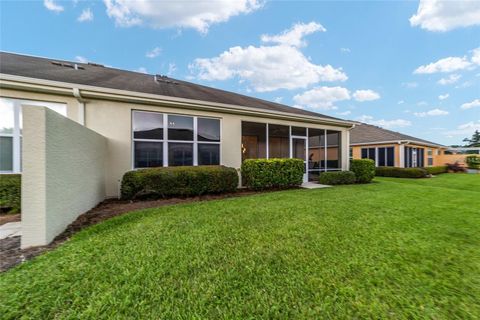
(68, 65)
(163, 79)
(95, 64)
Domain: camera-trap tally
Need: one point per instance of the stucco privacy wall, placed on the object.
(63, 173)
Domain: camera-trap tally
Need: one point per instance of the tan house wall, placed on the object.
(438, 160)
(112, 119)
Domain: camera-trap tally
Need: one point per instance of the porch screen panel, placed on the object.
(420, 157)
(316, 152)
(278, 141)
(390, 157)
(381, 157)
(254, 140)
(333, 150)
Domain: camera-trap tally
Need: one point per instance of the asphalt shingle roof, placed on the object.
(100, 76)
(365, 133)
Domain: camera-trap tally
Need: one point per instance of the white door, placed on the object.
(299, 151)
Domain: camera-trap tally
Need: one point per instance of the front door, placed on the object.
(299, 151)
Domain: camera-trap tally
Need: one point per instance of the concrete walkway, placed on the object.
(313, 185)
(10, 229)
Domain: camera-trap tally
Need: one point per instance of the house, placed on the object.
(84, 125)
(393, 149)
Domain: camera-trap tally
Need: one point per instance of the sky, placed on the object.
(408, 66)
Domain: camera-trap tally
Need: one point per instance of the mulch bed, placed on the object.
(11, 254)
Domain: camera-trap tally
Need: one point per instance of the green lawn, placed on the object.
(394, 249)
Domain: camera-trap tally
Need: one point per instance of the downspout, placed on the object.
(81, 106)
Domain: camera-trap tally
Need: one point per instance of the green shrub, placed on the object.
(436, 169)
(10, 192)
(337, 177)
(401, 172)
(364, 170)
(473, 162)
(178, 181)
(260, 174)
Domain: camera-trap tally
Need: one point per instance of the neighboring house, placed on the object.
(393, 149)
(117, 120)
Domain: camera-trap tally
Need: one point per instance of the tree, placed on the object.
(474, 141)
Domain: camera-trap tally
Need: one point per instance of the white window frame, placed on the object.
(166, 141)
(17, 134)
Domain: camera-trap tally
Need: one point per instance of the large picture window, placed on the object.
(11, 130)
(186, 140)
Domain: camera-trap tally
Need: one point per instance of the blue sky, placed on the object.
(412, 67)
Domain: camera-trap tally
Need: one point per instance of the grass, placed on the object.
(394, 249)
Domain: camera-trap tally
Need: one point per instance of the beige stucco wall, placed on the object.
(63, 173)
(112, 119)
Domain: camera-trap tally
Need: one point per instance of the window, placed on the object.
(414, 157)
(187, 140)
(383, 156)
(11, 130)
(254, 137)
(430, 157)
(278, 141)
(369, 153)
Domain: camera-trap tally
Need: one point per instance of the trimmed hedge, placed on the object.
(337, 177)
(364, 170)
(473, 162)
(10, 192)
(401, 172)
(178, 182)
(437, 169)
(260, 174)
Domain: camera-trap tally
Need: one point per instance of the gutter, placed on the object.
(64, 88)
(405, 142)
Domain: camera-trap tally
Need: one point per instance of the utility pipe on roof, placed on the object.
(81, 105)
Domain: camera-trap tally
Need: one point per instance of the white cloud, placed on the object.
(388, 124)
(267, 68)
(322, 97)
(401, 102)
(437, 15)
(431, 113)
(294, 36)
(155, 52)
(199, 15)
(142, 70)
(81, 59)
(469, 105)
(366, 95)
(451, 64)
(344, 113)
(52, 6)
(86, 15)
(345, 50)
(422, 103)
(466, 129)
(443, 96)
(278, 99)
(450, 79)
(444, 65)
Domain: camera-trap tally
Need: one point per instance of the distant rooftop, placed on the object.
(366, 133)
